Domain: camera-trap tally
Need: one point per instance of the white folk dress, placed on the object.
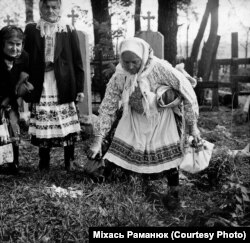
(52, 124)
(146, 144)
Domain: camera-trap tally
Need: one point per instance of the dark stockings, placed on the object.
(44, 154)
(68, 156)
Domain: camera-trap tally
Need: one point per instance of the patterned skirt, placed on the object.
(146, 145)
(53, 124)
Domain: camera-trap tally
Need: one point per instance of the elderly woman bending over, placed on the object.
(146, 139)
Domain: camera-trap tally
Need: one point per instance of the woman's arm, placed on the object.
(108, 107)
(107, 115)
(179, 82)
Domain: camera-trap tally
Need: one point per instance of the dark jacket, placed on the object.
(9, 79)
(68, 65)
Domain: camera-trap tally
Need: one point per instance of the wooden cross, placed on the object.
(73, 16)
(8, 20)
(148, 17)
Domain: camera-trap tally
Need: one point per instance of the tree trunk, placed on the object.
(209, 49)
(204, 67)
(189, 65)
(29, 11)
(137, 16)
(167, 26)
(103, 48)
(215, 96)
(217, 42)
(102, 22)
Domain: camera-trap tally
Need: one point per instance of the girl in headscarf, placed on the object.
(146, 139)
(13, 69)
(56, 72)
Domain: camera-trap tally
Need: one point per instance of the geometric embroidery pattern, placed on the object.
(145, 158)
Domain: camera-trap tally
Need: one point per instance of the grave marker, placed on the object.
(73, 17)
(148, 18)
(85, 107)
(155, 39)
(8, 20)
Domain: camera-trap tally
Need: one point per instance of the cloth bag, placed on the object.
(197, 158)
(6, 154)
(6, 150)
(159, 97)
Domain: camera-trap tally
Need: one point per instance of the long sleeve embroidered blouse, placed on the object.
(162, 73)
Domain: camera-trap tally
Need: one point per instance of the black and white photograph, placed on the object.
(124, 120)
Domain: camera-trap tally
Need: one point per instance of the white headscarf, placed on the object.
(137, 46)
(48, 31)
(143, 50)
(41, 2)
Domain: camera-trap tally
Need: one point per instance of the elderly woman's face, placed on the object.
(13, 47)
(51, 10)
(131, 62)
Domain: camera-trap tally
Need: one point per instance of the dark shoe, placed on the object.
(13, 168)
(44, 166)
(171, 200)
(67, 166)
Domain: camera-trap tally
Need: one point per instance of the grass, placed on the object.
(31, 210)
(60, 206)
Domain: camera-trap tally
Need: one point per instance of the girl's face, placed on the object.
(50, 11)
(13, 47)
(131, 62)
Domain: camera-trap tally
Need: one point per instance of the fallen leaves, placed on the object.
(55, 191)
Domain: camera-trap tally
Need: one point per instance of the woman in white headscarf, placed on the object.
(146, 139)
(56, 72)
